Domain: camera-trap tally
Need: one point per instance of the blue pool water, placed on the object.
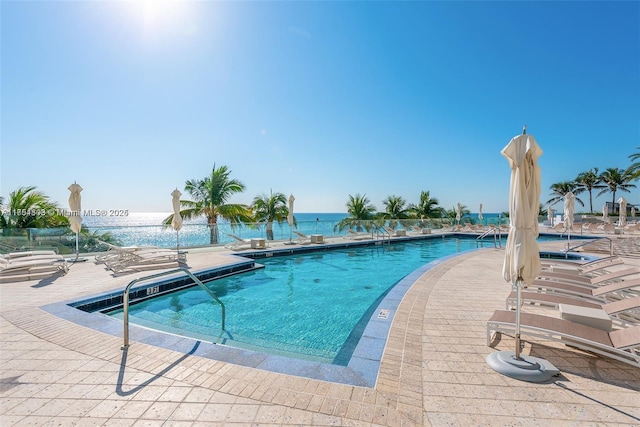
(310, 306)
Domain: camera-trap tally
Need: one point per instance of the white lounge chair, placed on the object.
(594, 281)
(356, 236)
(302, 238)
(143, 259)
(115, 252)
(595, 267)
(31, 267)
(621, 344)
(625, 309)
(238, 243)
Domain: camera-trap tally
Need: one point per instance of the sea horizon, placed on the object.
(146, 229)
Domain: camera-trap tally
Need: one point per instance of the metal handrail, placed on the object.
(496, 232)
(591, 241)
(381, 230)
(125, 298)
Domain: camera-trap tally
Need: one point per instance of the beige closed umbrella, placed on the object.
(290, 218)
(569, 211)
(622, 213)
(522, 255)
(480, 214)
(176, 222)
(75, 205)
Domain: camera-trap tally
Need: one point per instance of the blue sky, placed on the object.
(318, 99)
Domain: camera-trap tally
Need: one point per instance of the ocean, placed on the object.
(145, 228)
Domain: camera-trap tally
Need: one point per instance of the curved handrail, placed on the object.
(496, 232)
(125, 298)
(591, 241)
(381, 230)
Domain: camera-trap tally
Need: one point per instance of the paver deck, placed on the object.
(433, 370)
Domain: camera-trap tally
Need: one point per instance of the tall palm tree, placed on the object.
(29, 208)
(615, 179)
(210, 196)
(634, 169)
(588, 181)
(395, 207)
(559, 189)
(427, 207)
(360, 211)
(451, 213)
(269, 208)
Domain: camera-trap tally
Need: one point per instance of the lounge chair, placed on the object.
(23, 254)
(621, 344)
(356, 236)
(602, 294)
(623, 309)
(115, 252)
(238, 243)
(588, 268)
(302, 238)
(31, 267)
(577, 279)
(605, 228)
(145, 259)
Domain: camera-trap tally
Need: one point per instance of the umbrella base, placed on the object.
(527, 368)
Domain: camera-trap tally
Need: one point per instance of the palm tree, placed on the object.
(453, 212)
(395, 208)
(29, 208)
(360, 210)
(560, 189)
(588, 182)
(614, 179)
(210, 196)
(427, 207)
(269, 208)
(634, 169)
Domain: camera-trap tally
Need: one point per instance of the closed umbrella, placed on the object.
(633, 212)
(522, 255)
(176, 222)
(569, 210)
(622, 214)
(458, 213)
(75, 220)
(290, 220)
(550, 212)
(480, 214)
(605, 213)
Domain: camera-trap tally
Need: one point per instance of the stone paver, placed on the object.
(433, 371)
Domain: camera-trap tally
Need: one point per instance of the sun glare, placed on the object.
(157, 14)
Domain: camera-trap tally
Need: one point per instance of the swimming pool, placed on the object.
(311, 306)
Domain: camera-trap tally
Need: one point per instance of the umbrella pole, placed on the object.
(518, 302)
(77, 251)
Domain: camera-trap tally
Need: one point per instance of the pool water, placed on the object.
(310, 306)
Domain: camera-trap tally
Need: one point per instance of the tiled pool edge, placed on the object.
(362, 369)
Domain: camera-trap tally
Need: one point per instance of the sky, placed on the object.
(321, 100)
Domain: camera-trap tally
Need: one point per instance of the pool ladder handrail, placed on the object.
(125, 298)
(573, 248)
(381, 231)
(497, 237)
